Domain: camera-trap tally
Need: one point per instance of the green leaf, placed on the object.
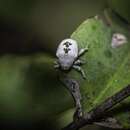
(107, 68)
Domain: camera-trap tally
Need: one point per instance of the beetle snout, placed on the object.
(65, 68)
(65, 63)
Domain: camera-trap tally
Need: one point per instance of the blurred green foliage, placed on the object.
(29, 87)
(30, 90)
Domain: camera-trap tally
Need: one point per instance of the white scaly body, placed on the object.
(68, 56)
(67, 53)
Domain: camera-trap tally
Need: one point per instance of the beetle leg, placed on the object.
(82, 51)
(79, 62)
(56, 65)
(79, 69)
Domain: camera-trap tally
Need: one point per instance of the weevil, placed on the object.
(68, 55)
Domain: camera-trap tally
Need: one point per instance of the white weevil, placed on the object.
(68, 55)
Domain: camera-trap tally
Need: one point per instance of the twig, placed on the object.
(98, 112)
(73, 87)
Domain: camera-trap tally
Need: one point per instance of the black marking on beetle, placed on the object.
(67, 44)
(67, 50)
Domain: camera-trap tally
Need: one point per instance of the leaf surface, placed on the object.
(107, 68)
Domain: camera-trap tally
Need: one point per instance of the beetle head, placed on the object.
(65, 63)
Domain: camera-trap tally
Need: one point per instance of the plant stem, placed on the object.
(98, 112)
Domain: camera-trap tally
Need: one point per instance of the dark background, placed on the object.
(33, 25)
